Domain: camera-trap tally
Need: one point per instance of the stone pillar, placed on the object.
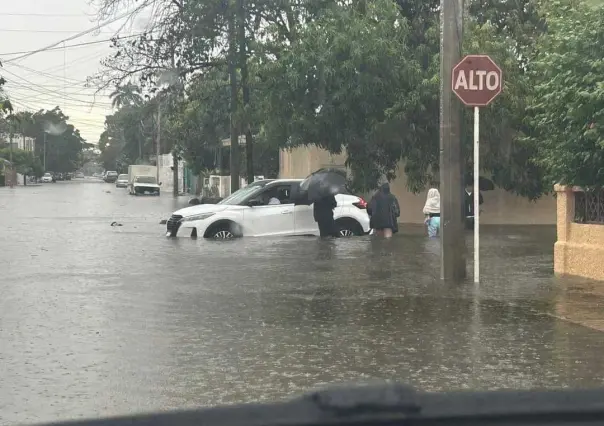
(565, 211)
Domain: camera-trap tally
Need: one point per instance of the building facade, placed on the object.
(19, 141)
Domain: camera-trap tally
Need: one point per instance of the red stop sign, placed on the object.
(477, 80)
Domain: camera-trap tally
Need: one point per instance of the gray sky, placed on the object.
(57, 76)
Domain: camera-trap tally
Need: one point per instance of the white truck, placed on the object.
(142, 180)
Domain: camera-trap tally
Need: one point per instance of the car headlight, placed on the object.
(200, 216)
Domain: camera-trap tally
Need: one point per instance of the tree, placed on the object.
(567, 100)
(128, 94)
(63, 141)
(5, 104)
(361, 77)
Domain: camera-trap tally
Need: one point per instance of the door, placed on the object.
(304, 222)
(271, 219)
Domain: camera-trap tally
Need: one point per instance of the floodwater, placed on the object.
(98, 320)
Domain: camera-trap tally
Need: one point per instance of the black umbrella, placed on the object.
(320, 184)
(484, 184)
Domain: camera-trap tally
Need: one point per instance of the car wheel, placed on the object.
(348, 228)
(222, 232)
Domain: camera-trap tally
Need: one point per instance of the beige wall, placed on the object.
(579, 249)
(500, 207)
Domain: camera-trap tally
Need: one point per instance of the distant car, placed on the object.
(47, 178)
(79, 175)
(68, 176)
(122, 181)
(110, 177)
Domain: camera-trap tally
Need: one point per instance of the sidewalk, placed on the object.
(581, 302)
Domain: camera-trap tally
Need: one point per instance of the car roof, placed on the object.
(277, 181)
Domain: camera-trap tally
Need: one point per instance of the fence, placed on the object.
(589, 206)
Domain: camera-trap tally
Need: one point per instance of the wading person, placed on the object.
(384, 211)
(323, 215)
(432, 212)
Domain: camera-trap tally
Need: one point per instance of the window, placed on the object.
(281, 192)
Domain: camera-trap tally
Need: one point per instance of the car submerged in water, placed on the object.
(247, 212)
(144, 185)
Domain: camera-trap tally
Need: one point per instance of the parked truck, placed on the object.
(142, 180)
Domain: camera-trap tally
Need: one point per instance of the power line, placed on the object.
(23, 30)
(83, 33)
(45, 91)
(73, 45)
(48, 72)
(46, 15)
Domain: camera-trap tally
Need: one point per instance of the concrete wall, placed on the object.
(500, 207)
(166, 175)
(579, 249)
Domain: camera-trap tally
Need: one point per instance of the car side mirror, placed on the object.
(160, 183)
(253, 203)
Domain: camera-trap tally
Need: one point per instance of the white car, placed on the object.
(122, 181)
(47, 178)
(144, 185)
(247, 212)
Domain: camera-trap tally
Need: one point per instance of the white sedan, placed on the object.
(264, 208)
(47, 178)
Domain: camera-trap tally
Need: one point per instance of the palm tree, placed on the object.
(126, 95)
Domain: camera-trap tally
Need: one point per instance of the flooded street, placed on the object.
(98, 320)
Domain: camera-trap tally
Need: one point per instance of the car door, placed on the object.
(271, 219)
(304, 221)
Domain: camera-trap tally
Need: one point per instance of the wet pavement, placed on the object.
(98, 320)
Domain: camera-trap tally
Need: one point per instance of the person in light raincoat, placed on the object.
(432, 212)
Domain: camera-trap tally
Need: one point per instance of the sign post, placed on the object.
(476, 81)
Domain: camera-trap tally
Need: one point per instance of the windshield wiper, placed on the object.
(392, 404)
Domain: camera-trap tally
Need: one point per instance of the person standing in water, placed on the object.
(323, 215)
(432, 212)
(384, 211)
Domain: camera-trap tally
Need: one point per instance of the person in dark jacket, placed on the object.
(384, 211)
(323, 215)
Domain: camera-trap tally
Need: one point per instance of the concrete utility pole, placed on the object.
(453, 262)
(158, 137)
(44, 151)
(175, 174)
(12, 170)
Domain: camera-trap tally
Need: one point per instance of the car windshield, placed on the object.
(123, 177)
(46, 175)
(238, 196)
(145, 179)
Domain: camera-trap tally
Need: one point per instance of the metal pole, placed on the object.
(453, 266)
(11, 148)
(476, 195)
(44, 152)
(158, 138)
(12, 166)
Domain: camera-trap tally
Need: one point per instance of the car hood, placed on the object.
(200, 208)
(146, 185)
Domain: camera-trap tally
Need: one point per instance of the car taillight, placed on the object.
(361, 204)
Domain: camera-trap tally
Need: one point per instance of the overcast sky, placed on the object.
(57, 76)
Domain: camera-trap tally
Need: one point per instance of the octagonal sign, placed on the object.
(477, 80)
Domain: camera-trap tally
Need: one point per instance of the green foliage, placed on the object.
(64, 143)
(363, 77)
(567, 110)
(336, 86)
(25, 162)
